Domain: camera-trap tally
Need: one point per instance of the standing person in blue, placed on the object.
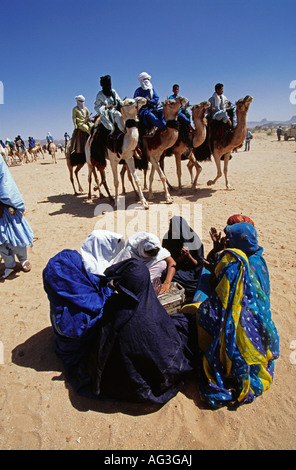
(249, 136)
(67, 138)
(15, 232)
(150, 114)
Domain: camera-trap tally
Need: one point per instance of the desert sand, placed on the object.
(38, 408)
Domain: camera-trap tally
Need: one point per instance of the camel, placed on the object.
(52, 148)
(21, 153)
(167, 138)
(129, 110)
(185, 148)
(234, 140)
(78, 168)
(35, 150)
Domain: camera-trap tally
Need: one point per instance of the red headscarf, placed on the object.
(238, 218)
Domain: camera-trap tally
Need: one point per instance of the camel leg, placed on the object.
(217, 159)
(77, 169)
(179, 171)
(145, 179)
(104, 183)
(225, 170)
(193, 163)
(132, 170)
(114, 164)
(122, 173)
(156, 167)
(90, 172)
(161, 164)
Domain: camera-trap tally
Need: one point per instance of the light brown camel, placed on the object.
(167, 138)
(21, 153)
(193, 140)
(129, 110)
(235, 139)
(52, 151)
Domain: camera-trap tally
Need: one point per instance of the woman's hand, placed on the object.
(165, 287)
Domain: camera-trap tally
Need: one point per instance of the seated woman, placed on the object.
(187, 251)
(147, 248)
(237, 338)
(116, 342)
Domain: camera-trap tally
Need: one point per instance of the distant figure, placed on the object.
(49, 139)
(279, 132)
(249, 136)
(31, 143)
(19, 139)
(67, 138)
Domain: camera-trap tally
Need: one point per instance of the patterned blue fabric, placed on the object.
(237, 338)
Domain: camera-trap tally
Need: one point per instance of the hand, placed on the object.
(185, 252)
(164, 288)
(215, 236)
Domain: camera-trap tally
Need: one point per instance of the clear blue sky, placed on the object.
(52, 51)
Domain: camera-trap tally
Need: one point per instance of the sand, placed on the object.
(38, 408)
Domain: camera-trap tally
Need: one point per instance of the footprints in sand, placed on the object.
(21, 428)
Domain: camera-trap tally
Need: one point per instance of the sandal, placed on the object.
(26, 265)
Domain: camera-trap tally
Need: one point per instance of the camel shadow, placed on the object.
(38, 353)
(78, 206)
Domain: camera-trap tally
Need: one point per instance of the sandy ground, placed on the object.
(38, 408)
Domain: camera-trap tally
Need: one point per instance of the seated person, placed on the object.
(106, 106)
(237, 338)
(186, 249)
(19, 142)
(147, 248)
(150, 115)
(183, 116)
(82, 130)
(218, 109)
(115, 342)
(31, 143)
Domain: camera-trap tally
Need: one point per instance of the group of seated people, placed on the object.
(117, 341)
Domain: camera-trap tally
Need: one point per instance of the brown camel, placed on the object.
(193, 140)
(222, 147)
(76, 171)
(52, 151)
(166, 139)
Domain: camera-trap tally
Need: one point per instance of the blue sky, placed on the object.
(52, 51)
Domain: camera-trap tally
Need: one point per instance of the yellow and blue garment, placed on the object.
(237, 338)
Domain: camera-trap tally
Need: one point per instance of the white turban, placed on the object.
(144, 79)
(80, 102)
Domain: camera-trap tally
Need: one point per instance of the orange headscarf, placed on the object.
(238, 218)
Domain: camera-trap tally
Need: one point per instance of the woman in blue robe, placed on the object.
(237, 338)
(15, 231)
(117, 342)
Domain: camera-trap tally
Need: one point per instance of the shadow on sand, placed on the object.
(37, 353)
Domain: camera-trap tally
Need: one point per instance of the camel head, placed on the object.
(198, 110)
(242, 105)
(130, 107)
(171, 107)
